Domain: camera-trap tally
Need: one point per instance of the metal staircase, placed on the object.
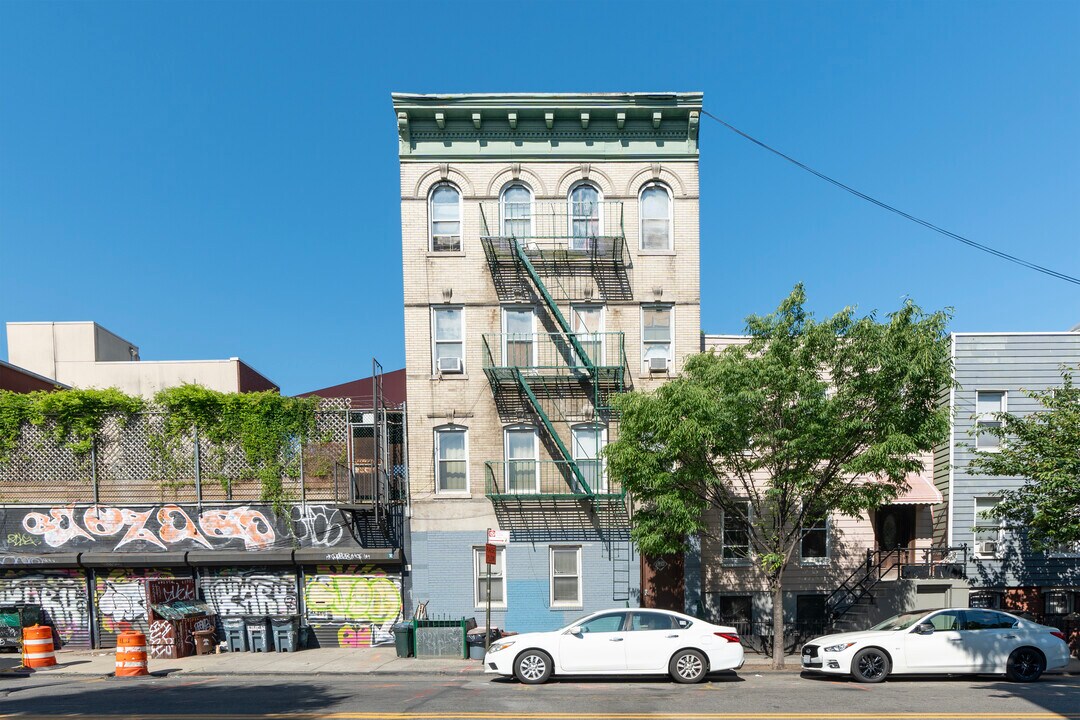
(856, 591)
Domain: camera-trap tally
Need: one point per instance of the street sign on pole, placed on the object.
(498, 537)
(489, 554)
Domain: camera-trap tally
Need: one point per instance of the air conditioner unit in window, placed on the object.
(987, 548)
(658, 364)
(450, 365)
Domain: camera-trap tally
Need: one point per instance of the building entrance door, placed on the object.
(895, 528)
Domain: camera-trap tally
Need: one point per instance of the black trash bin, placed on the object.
(403, 639)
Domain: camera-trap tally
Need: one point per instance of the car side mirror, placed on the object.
(924, 629)
(576, 630)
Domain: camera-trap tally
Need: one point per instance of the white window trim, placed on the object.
(434, 341)
(671, 219)
(480, 573)
(828, 546)
(570, 212)
(601, 333)
(505, 334)
(535, 458)
(603, 444)
(502, 207)
(737, 562)
(431, 220)
(644, 344)
(980, 417)
(468, 483)
(976, 530)
(579, 603)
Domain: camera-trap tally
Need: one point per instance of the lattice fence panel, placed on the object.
(41, 471)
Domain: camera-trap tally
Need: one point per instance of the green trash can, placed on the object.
(403, 641)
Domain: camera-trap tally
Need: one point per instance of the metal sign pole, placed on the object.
(487, 618)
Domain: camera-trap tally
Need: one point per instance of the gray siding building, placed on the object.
(991, 373)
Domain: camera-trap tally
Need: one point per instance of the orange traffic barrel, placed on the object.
(38, 647)
(131, 654)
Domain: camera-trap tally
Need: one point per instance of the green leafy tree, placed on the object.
(806, 418)
(1043, 448)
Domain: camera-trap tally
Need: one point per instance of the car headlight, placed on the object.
(496, 647)
(839, 648)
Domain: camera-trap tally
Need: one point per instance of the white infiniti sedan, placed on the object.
(620, 642)
(955, 640)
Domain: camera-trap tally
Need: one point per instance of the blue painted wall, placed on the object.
(442, 574)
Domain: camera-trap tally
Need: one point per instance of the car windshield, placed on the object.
(900, 622)
(580, 620)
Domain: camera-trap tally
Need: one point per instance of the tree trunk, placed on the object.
(778, 624)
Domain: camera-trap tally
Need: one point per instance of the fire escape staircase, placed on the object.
(857, 589)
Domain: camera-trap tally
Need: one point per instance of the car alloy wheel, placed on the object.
(687, 666)
(1025, 665)
(870, 666)
(533, 667)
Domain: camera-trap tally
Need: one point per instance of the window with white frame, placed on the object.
(585, 221)
(522, 466)
(587, 322)
(565, 577)
(989, 533)
(519, 337)
(444, 211)
(448, 339)
(588, 442)
(655, 204)
(451, 459)
(988, 404)
(657, 334)
(497, 581)
(814, 540)
(516, 210)
(735, 535)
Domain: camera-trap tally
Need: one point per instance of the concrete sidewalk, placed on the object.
(322, 661)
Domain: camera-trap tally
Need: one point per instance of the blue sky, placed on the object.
(220, 179)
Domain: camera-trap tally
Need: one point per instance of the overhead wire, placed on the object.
(959, 238)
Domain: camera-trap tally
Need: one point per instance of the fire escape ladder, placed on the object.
(523, 257)
(546, 421)
(859, 585)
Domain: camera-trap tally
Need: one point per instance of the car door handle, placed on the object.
(615, 639)
(1009, 637)
(671, 636)
(956, 639)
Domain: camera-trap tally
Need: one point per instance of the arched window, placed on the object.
(444, 211)
(586, 222)
(516, 210)
(655, 204)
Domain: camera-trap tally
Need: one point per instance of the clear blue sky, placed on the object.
(218, 179)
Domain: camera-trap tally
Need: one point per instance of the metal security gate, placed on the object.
(62, 595)
(250, 590)
(352, 605)
(120, 600)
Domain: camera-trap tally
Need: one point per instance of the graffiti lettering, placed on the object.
(137, 529)
(176, 526)
(362, 602)
(61, 594)
(322, 526)
(21, 540)
(245, 523)
(251, 594)
(58, 527)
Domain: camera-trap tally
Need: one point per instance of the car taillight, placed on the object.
(730, 637)
(1058, 634)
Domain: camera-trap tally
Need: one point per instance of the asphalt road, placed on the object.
(761, 696)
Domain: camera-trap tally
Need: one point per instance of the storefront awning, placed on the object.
(240, 557)
(347, 556)
(41, 561)
(132, 559)
(920, 491)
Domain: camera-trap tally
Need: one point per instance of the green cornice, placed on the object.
(614, 126)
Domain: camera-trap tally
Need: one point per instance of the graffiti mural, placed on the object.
(320, 526)
(120, 598)
(61, 594)
(250, 591)
(353, 605)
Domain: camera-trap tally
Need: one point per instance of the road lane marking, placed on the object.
(594, 716)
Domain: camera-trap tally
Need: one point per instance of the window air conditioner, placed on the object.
(450, 365)
(986, 548)
(658, 364)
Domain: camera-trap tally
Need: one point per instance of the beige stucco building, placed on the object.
(550, 249)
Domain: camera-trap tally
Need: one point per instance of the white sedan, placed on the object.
(620, 642)
(956, 640)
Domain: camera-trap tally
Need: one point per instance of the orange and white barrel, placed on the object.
(38, 647)
(131, 654)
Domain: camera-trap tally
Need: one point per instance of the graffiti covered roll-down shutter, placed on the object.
(62, 596)
(250, 590)
(352, 605)
(120, 601)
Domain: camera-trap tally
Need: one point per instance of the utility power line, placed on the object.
(901, 213)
